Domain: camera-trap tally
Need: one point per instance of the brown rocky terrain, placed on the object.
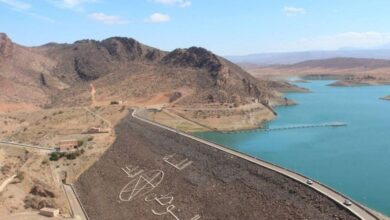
(213, 184)
(120, 68)
(20, 71)
(33, 187)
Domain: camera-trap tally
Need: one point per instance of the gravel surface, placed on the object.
(211, 184)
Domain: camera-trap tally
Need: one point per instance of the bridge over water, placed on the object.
(298, 126)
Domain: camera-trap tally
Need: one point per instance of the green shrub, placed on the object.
(55, 156)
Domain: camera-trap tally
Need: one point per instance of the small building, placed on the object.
(67, 145)
(49, 212)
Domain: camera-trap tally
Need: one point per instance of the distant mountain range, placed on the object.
(342, 63)
(266, 59)
(349, 71)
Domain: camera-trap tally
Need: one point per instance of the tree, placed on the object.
(54, 156)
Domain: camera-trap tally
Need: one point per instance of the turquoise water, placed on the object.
(354, 160)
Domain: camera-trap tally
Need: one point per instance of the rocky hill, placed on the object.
(6, 47)
(24, 74)
(350, 71)
(121, 69)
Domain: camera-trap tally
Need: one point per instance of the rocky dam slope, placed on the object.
(150, 173)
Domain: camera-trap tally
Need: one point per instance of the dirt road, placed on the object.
(6, 182)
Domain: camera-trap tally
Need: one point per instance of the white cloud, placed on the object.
(292, 11)
(25, 8)
(40, 17)
(16, 4)
(158, 18)
(107, 19)
(71, 4)
(180, 3)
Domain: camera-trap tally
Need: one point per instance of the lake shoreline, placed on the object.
(386, 98)
(344, 146)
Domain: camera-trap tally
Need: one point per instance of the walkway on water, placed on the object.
(290, 127)
(357, 209)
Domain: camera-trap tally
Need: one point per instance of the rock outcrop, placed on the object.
(123, 68)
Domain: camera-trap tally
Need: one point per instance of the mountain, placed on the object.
(265, 59)
(121, 69)
(21, 74)
(349, 71)
(342, 63)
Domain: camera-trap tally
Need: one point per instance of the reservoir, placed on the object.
(352, 159)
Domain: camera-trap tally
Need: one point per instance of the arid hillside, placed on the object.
(23, 75)
(351, 71)
(121, 69)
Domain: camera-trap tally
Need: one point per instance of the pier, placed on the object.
(290, 127)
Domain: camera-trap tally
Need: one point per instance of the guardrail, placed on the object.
(67, 197)
(78, 200)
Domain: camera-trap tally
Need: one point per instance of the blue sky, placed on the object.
(227, 27)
